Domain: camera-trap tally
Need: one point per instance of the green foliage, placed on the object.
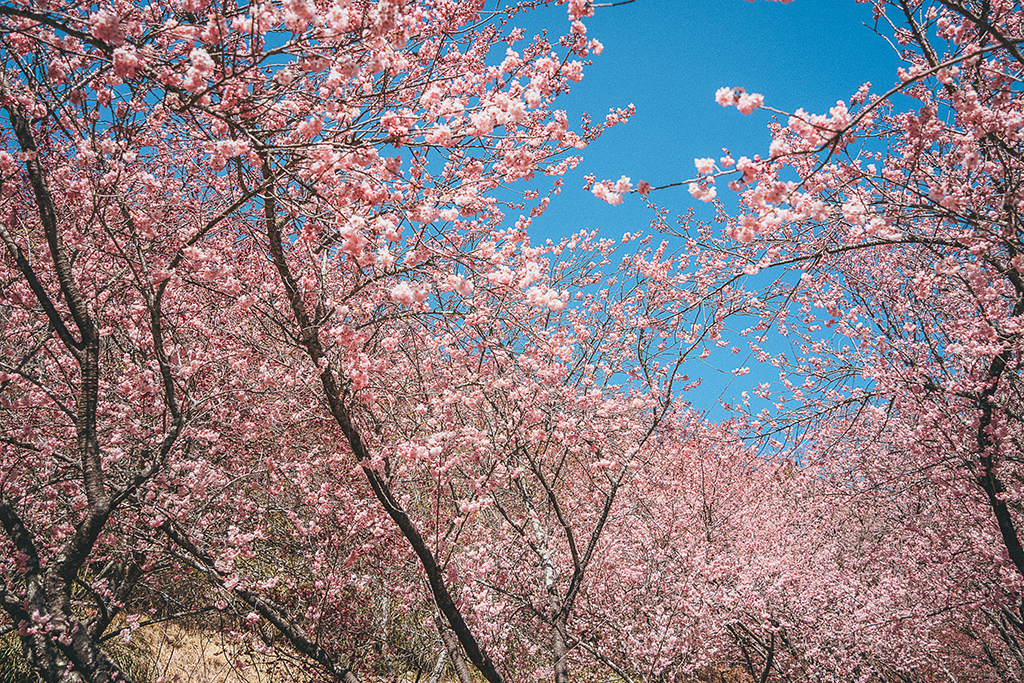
(133, 658)
(13, 667)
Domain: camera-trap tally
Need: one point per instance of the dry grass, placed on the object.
(179, 655)
(724, 674)
(183, 656)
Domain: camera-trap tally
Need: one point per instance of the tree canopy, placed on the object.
(280, 356)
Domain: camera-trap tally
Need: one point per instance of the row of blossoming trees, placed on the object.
(278, 356)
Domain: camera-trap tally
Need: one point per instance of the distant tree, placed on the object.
(720, 558)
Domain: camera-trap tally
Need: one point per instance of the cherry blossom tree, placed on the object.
(875, 262)
(278, 347)
(257, 278)
(726, 558)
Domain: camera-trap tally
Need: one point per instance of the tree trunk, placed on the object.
(454, 652)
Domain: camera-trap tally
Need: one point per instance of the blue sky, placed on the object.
(668, 57)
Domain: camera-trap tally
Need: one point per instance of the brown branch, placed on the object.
(48, 216)
(20, 536)
(1009, 45)
(296, 636)
(309, 339)
(49, 20)
(37, 287)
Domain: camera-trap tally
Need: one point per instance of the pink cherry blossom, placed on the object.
(704, 166)
(579, 9)
(725, 97)
(200, 71)
(603, 192)
(105, 26)
(748, 102)
(703, 192)
(127, 62)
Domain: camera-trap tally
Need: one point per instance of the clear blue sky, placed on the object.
(668, 57)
